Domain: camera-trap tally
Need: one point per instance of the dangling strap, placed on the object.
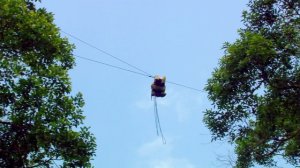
(157, 122)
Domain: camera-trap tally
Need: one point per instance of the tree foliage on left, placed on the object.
(40, 121)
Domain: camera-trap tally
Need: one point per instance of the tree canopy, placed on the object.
(256, 88)
(40, 120)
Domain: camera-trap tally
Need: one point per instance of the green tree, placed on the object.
(256, 88)
(38, 114)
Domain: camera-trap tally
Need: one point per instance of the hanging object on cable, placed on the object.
(158, 89)
(159, 86)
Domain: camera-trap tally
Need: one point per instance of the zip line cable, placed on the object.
(104, 52)
(135, 72)
(113, 66)
(142, 72)
(181, 85)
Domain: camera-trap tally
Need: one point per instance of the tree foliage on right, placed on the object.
(256, 88)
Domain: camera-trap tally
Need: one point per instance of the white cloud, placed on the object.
(184, 107)
(181, 102)
(144, 104)
(172, 163)
(155, 148)
(155, 154)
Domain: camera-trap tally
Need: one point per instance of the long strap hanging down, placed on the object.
(157, 122)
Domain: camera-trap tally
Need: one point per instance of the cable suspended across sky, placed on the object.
(141, 72)
(158, 87)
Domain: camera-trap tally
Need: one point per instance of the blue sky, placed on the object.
(179, 39)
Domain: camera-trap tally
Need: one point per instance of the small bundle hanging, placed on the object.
(158, 89)
(159, 86)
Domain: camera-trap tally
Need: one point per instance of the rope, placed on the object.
(157, 123)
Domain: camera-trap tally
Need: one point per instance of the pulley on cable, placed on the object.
(158, 89)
